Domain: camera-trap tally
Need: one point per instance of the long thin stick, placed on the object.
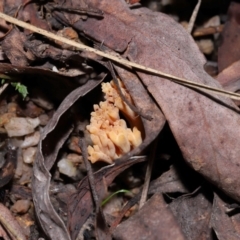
(148, 174)
(119, 59)
(194, 16)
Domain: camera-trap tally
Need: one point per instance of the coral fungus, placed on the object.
(109, 133)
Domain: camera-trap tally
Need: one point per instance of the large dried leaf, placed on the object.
(196, 120)
(154, 221)
(229, 77)
(53, 137)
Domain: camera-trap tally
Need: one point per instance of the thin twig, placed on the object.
(131, 106)
(91, 180)
(193, 17)
(200, 32)
(2, 88)
(10, 223)
(87, 11)
(148, 174)
(117, 58)
(102, 231)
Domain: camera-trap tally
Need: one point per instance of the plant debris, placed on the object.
(95, 96)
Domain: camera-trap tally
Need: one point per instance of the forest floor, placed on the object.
(119, 119)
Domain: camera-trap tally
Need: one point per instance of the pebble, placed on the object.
(21, 206)
(17, 126)
(67, 168)
(29, 155)
(44, 118)
(31, 140)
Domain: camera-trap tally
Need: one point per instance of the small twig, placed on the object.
(91, 180)
(132, 107)
(10, 223)
(119, 59)
(148, 174)
(87, 11)
(4, 235)
(193, 17)
(207, 31)
(2, 88)
(187, 195)
(103, 231)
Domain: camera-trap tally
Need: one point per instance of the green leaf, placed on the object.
(22, 89)
(113, 194)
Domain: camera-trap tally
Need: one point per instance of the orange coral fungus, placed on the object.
(109, 133)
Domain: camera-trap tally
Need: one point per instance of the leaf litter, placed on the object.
(191, 125)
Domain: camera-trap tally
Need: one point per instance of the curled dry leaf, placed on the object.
(53, 137)
(195, 119)
(13, 47)
(62, 85)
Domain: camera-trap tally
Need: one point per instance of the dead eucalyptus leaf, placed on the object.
(230, 77)
(13, 47)
(224, 225)
(230, 40)
(52, 138)
(153, 221)
(195, 119)
(194, 215)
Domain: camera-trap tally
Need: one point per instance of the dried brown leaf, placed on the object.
(230, 38)
(153, 221)
(230, 77)
(52, 138)
(224, 225)
(155, 40)
(194, 214)
(13, 47)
